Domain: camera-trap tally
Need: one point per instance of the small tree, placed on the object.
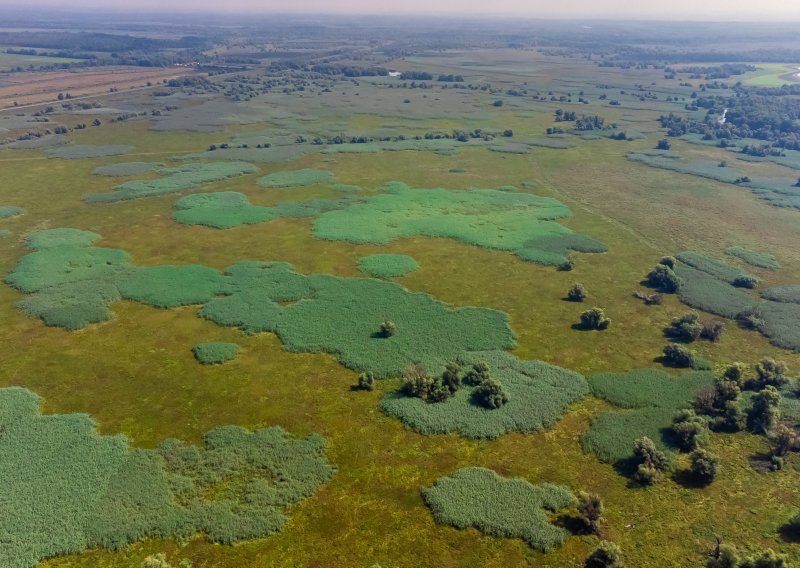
(690, 430)
(704, 465)
(590, 509)
(783, 440)
(451, 378)
(663, 145)
(712, 330)
(764, 413)
(577, 293)
(746, 281)
(650, 461)
(606, 555)
(490, 394)
(685, 328)
(735, 372)
(366, 381)
(595, 319)
(678, 356)
(669, 261)
(771, 373)
(663, 278)
(725, 556)
(477, 374)
(387, 329)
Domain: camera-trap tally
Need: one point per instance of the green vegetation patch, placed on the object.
(296, 178)
(790, 293)
(705, 292)
(650, 398)
(228, 209)
(510, 508)
(346, 188)
(712, 267)
(387, 265)
(68, 488)
(7, 211)
(538, 395)
(501, 220)
(180, 178)
(780, 322)
(754, 258)
(220, 210)
(127, 169)
(171, 286)
(78, 151)
(342, 316)
(215, 353)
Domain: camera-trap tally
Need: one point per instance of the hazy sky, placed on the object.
(780, 10)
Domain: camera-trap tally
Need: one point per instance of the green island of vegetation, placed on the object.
(7, 211)
(215, 353)
(511, 508)
(387, 265)
(238, 485)
(295, 178)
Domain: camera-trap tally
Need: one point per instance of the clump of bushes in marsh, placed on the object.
(685, 328)
(366, 381)
(418, 383)
(605, 555)
(509, 508)
(387, 329)
(681, 357)
(491, 394)
(704, 466)
(537, 395)
(577, 293)
(89, 490)
(726, 556)
(594, 319)
(764, 411)
(650, 462)
(690, 430)
(723, 403)
(648, 401)
(663, 278)
(215, 353)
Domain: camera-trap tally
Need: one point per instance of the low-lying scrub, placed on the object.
(510, 508)
(215, 353)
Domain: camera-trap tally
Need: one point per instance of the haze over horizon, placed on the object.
(711, 10)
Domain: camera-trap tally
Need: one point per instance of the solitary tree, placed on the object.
(590, 508)
(663, 278)
(663, 144)
(685, 328)
(704, 465)
(764, 412)
(490, 394)
(690, 430)
(771, 373)
(387, 329)
(650, 461)
(678, 356)
(595, 318)
(366, 381)
(577, 293)
(606, 555)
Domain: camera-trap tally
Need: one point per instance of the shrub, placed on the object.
(750, 318)
(663, 144)
(590, 510)
(764, 412)
(606, 555)
(577, 293)
(770, 373)
(451, 378)
(735, 372)
(792, 527)
(663, 278)
(595, 318)
(691, 430)
(685, 328)
(387, 329)
(366, 381)
(477, 374)
(678, 356)
(155, 561)
(567, 266)
(704, 465)
(509, 508)
(725, 556)
(215, 353)
(712, 331)
(783, 440)
(746, 281)
(669, 261)
(650, 462)
(491, 394)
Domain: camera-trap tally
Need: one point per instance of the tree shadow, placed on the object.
(789, 534)
(761, 462)
(574, 524)
(685, 478)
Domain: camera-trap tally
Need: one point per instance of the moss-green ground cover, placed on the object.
(7, 211)
(215, 353)
(387, 265)
(228, 209)
(511, 508)
(79, 151)
(68, 488)
(650, 398)
(295, 178)
(341, 316)
(754, 258)
(125, 169)
(538, 393)
(502, 220)
(179, 178)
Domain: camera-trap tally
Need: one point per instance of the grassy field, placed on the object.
(772, 75)
(11, 60)
(137, 374)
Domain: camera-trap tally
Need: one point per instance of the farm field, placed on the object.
(272, 312)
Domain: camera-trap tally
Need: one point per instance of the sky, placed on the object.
(727, 10)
